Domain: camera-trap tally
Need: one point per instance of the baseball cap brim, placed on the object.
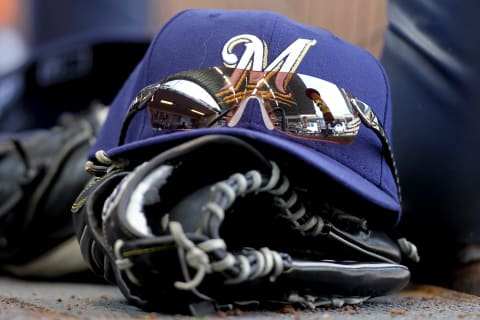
(316, 160)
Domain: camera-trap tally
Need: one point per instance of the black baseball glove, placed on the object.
(213, 223)
(42, 171)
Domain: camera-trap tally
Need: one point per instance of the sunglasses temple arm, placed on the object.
(370, 120)
(125, 125)
(138, 103)
(387, 146)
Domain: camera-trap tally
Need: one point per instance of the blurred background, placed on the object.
(25, 24)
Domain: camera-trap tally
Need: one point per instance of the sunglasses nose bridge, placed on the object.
(252, 114)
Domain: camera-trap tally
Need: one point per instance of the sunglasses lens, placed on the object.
(324, 111)
(295, 104)
(181, 104)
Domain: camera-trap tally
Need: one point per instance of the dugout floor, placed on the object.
(21, 299)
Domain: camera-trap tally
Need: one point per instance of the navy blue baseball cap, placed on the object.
(262, 41)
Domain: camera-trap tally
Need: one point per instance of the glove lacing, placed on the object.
(106, 164)
(251, 264)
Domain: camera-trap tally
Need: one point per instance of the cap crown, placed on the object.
(261, 40)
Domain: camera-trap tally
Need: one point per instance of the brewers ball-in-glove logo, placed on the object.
(254, 58)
